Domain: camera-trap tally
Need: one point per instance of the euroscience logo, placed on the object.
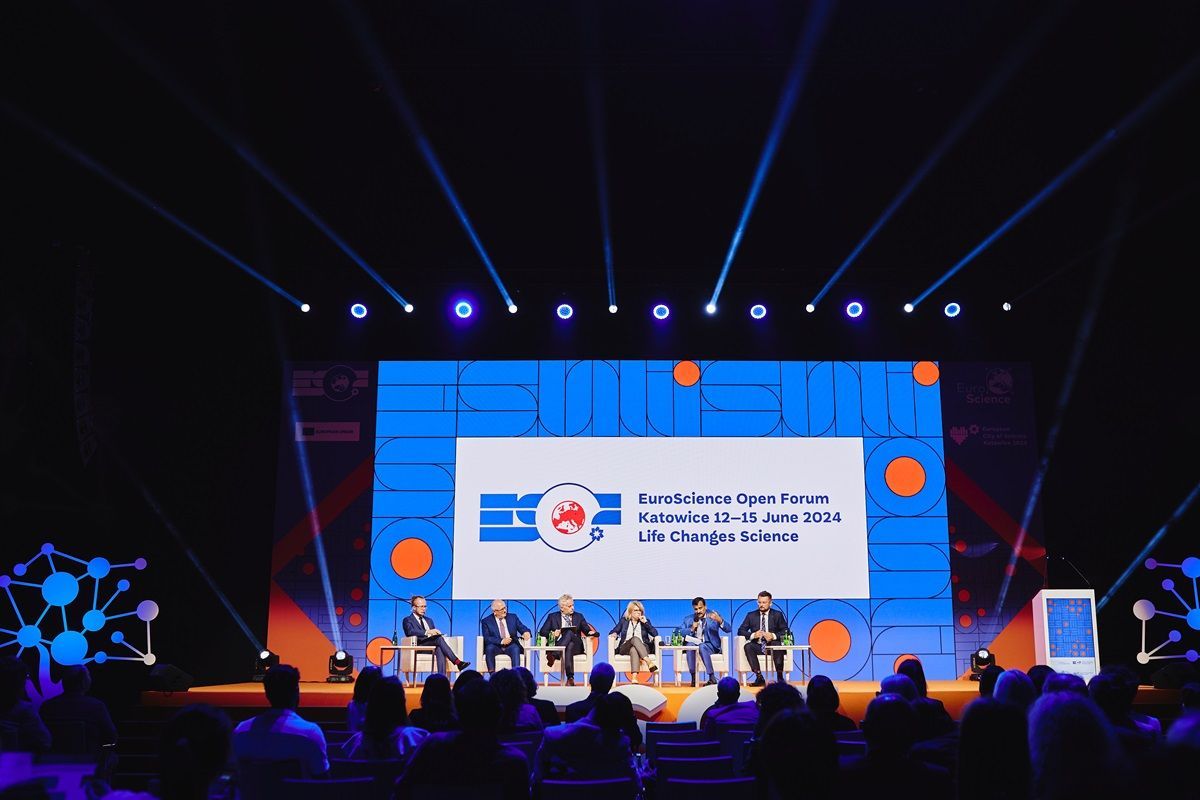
(567, 517)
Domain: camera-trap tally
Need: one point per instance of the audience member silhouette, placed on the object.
(901, 685)
(592, 748)
(436, 713)
(515, 711)
(623, 707)
(1189, 697)
(773, 698)
(823, 701)
(993, 752)
(547, 711)
(193, 752)
(459, 763)
(1038, 674)
(1072, 750)
(16, 710)
(890, 728)
(987, 679)
(466, 678)
(75, 706)
(932, 717)
(281, 734)
(1015, 687)
(600, 681)
(386, 731)
(1064, 682)
(727, 712)
(796, 758)
(356, 709)
(1114, 696)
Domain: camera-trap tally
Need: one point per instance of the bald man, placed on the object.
(503, 633)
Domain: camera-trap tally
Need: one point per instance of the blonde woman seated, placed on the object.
(635, 638)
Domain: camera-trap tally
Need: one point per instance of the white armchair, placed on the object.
(767, 661)
(625, 663)
(414, 662)
(720, 661)
(502, 660)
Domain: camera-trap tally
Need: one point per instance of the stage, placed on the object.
(666, 704)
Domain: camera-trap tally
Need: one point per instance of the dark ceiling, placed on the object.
(687, 92)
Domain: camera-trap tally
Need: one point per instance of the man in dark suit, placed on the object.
(502, 633)
(418, 625)
(566, 628)
(760, 628)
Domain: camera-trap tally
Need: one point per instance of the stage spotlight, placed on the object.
(463, 309)
(305, 307)
(408, 308)
(854, 309)
(810, 308)
(908, 308)
(711, 308)
(661, 311)
(953, 309)
(512, 308)
(565, 311)
(1007, 306)
(341, 668)
(266, 659)
(612, 309)
(981, 659)
(758, 311)
(358, 311)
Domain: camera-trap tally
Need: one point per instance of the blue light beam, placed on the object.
(1083, 336)
(89, 163)
(600, 163)
(805, 54)
(1012, 62)
(1150, 545)
(400, 105)
(1098, 148)
(240, 147)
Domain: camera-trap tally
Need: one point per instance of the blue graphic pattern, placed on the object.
(423, 406)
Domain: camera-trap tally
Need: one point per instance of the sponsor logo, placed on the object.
(338, 383)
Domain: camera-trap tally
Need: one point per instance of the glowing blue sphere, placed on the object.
(565, 311)
(358, 311)
(60, 589)
(758, 311)
(854, 309)
(953, 309)
(462, 309)
(661, 311)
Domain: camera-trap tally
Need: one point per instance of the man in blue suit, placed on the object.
(502, 633)
(707, 626)
(419, 625)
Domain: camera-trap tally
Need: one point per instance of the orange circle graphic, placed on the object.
(411, 558)
(374, 654)
(901, 659)
(926, 373)
(904, 476)
(355, 618)
(830, 640)
(687, 373)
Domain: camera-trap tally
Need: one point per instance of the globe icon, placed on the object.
(568, 517)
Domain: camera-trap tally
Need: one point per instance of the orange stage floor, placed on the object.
(855, 696)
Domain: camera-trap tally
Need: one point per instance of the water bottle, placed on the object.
(395, 640)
